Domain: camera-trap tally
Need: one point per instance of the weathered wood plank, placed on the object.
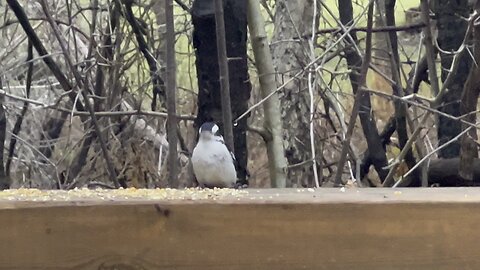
(326, 229)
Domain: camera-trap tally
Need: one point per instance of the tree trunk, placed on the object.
(469, 149)
(451, 30)
(445, 172)
(400, 107)
(289, 58)
(381, 52)
(266, 73)
(362, 82)
(370, 131)
(209, 98)
(223, 71)
(172, 137)
(4, 180)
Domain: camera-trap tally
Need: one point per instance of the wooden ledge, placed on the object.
(32, 198)
(256, 229)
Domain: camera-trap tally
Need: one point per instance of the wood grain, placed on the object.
(370, 231)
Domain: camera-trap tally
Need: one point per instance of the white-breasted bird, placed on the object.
(213, 164)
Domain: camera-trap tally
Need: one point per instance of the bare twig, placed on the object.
(55, 106)
(311, 89)
(183, 6)
(375, 30)
(76, 29)
(18, 123)
(424, 107)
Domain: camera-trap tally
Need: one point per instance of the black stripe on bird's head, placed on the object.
(208, 128)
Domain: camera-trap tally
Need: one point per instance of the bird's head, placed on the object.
(208, 131)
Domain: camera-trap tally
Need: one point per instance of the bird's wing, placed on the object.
(239, 183)
(220, 139)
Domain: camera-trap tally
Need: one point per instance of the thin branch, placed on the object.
(18, 124)
(424, 107)
(312, 83)
(99, 114)
(409, 27)
(267, 9)
(76, 29)
(183, 6)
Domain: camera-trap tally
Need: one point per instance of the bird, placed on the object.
(214, 165)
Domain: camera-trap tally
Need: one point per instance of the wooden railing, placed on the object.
(255, 229)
